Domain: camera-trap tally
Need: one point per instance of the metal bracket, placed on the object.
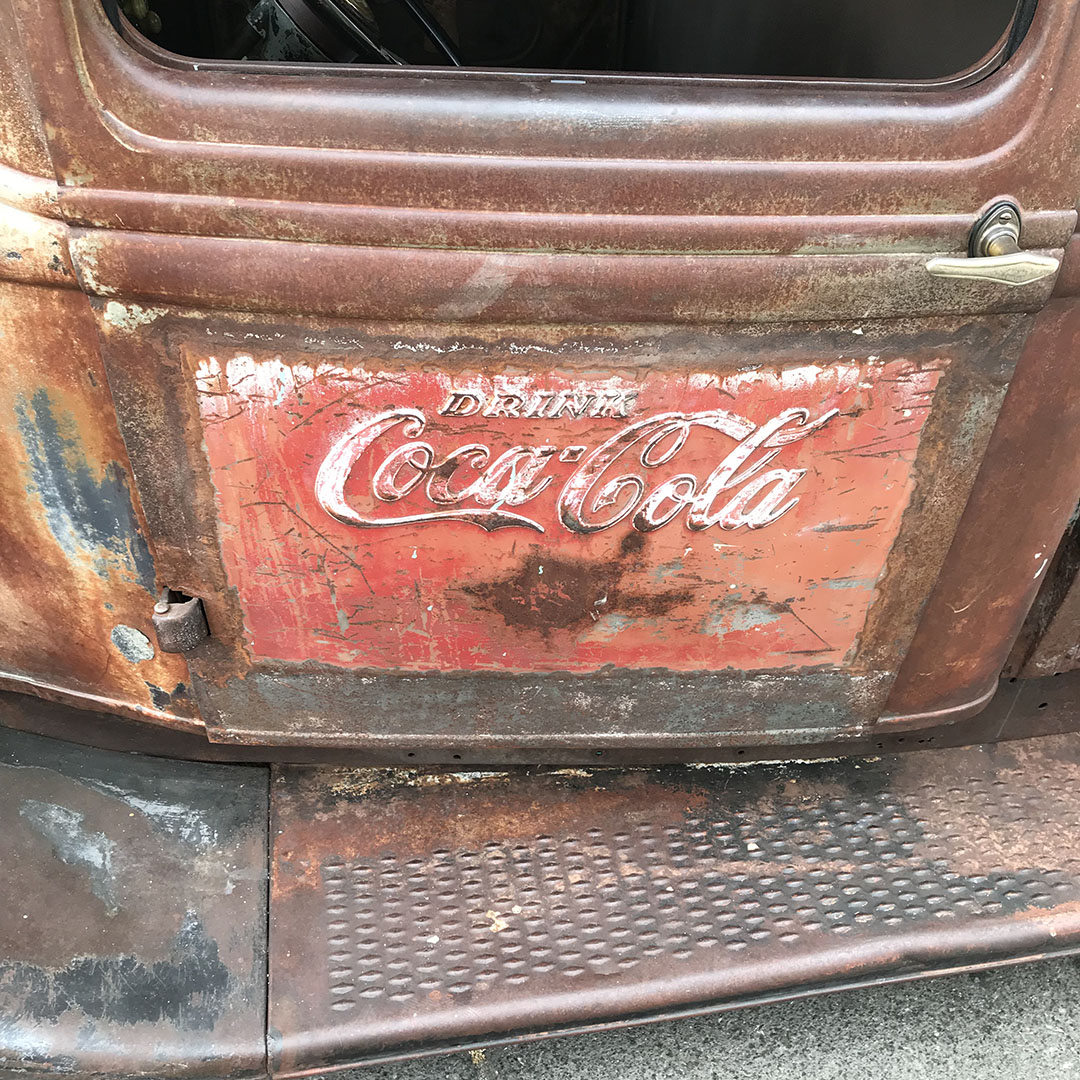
(179, 622)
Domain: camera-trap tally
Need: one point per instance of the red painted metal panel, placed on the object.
(426, 518)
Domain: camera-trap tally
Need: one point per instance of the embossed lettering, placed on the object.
(607, 485)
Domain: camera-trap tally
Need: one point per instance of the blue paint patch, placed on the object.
(732, 618)
(608, 626)
(163, 699)
(133, 644)
(665, 571)
(85, 514)
(848, 583)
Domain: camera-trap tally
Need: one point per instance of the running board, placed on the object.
(412, 912)
(132, 913)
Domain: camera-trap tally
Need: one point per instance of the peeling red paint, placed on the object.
(491, 519)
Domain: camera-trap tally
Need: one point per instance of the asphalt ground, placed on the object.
(1018, 1023)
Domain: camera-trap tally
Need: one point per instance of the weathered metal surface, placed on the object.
(531, 288)
(416, 911)
(1068, 279)
(314, 588)
(515, 230)
(180, 624)
(76, 576)
(454, 909)
(33, 238)
(1021, 709)
(132, 914)
(77, 583)
(501, 141)
(1059, 649)
(1049, 642)
(34, 249)
(1001, 552)
(499, 208)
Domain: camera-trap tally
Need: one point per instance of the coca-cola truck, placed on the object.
(519, 518)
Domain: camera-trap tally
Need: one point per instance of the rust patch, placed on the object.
(77, 567)
(552, 593)
(485, 910)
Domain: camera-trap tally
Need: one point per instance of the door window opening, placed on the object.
(910, 40)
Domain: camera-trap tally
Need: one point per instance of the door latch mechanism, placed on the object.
(994, 252)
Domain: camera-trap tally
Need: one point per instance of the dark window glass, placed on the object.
(861, 39)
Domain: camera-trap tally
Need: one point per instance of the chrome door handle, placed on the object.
(995, 253)
(1018, 268)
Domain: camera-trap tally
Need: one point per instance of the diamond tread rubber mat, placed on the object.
(414, 911)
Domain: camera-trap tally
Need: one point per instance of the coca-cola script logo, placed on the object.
(609, 483)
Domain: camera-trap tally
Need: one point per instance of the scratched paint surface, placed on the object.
(384, 517)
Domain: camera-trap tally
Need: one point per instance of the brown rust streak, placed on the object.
(561, 599)
(22, 138)
(412, 819)
(64, 588)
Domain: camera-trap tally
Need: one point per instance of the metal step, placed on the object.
(417, 911)
(420, 911)
(132, 913)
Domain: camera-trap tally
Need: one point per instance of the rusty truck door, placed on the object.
(504, 416)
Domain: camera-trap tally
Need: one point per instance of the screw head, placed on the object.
(161, 608)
